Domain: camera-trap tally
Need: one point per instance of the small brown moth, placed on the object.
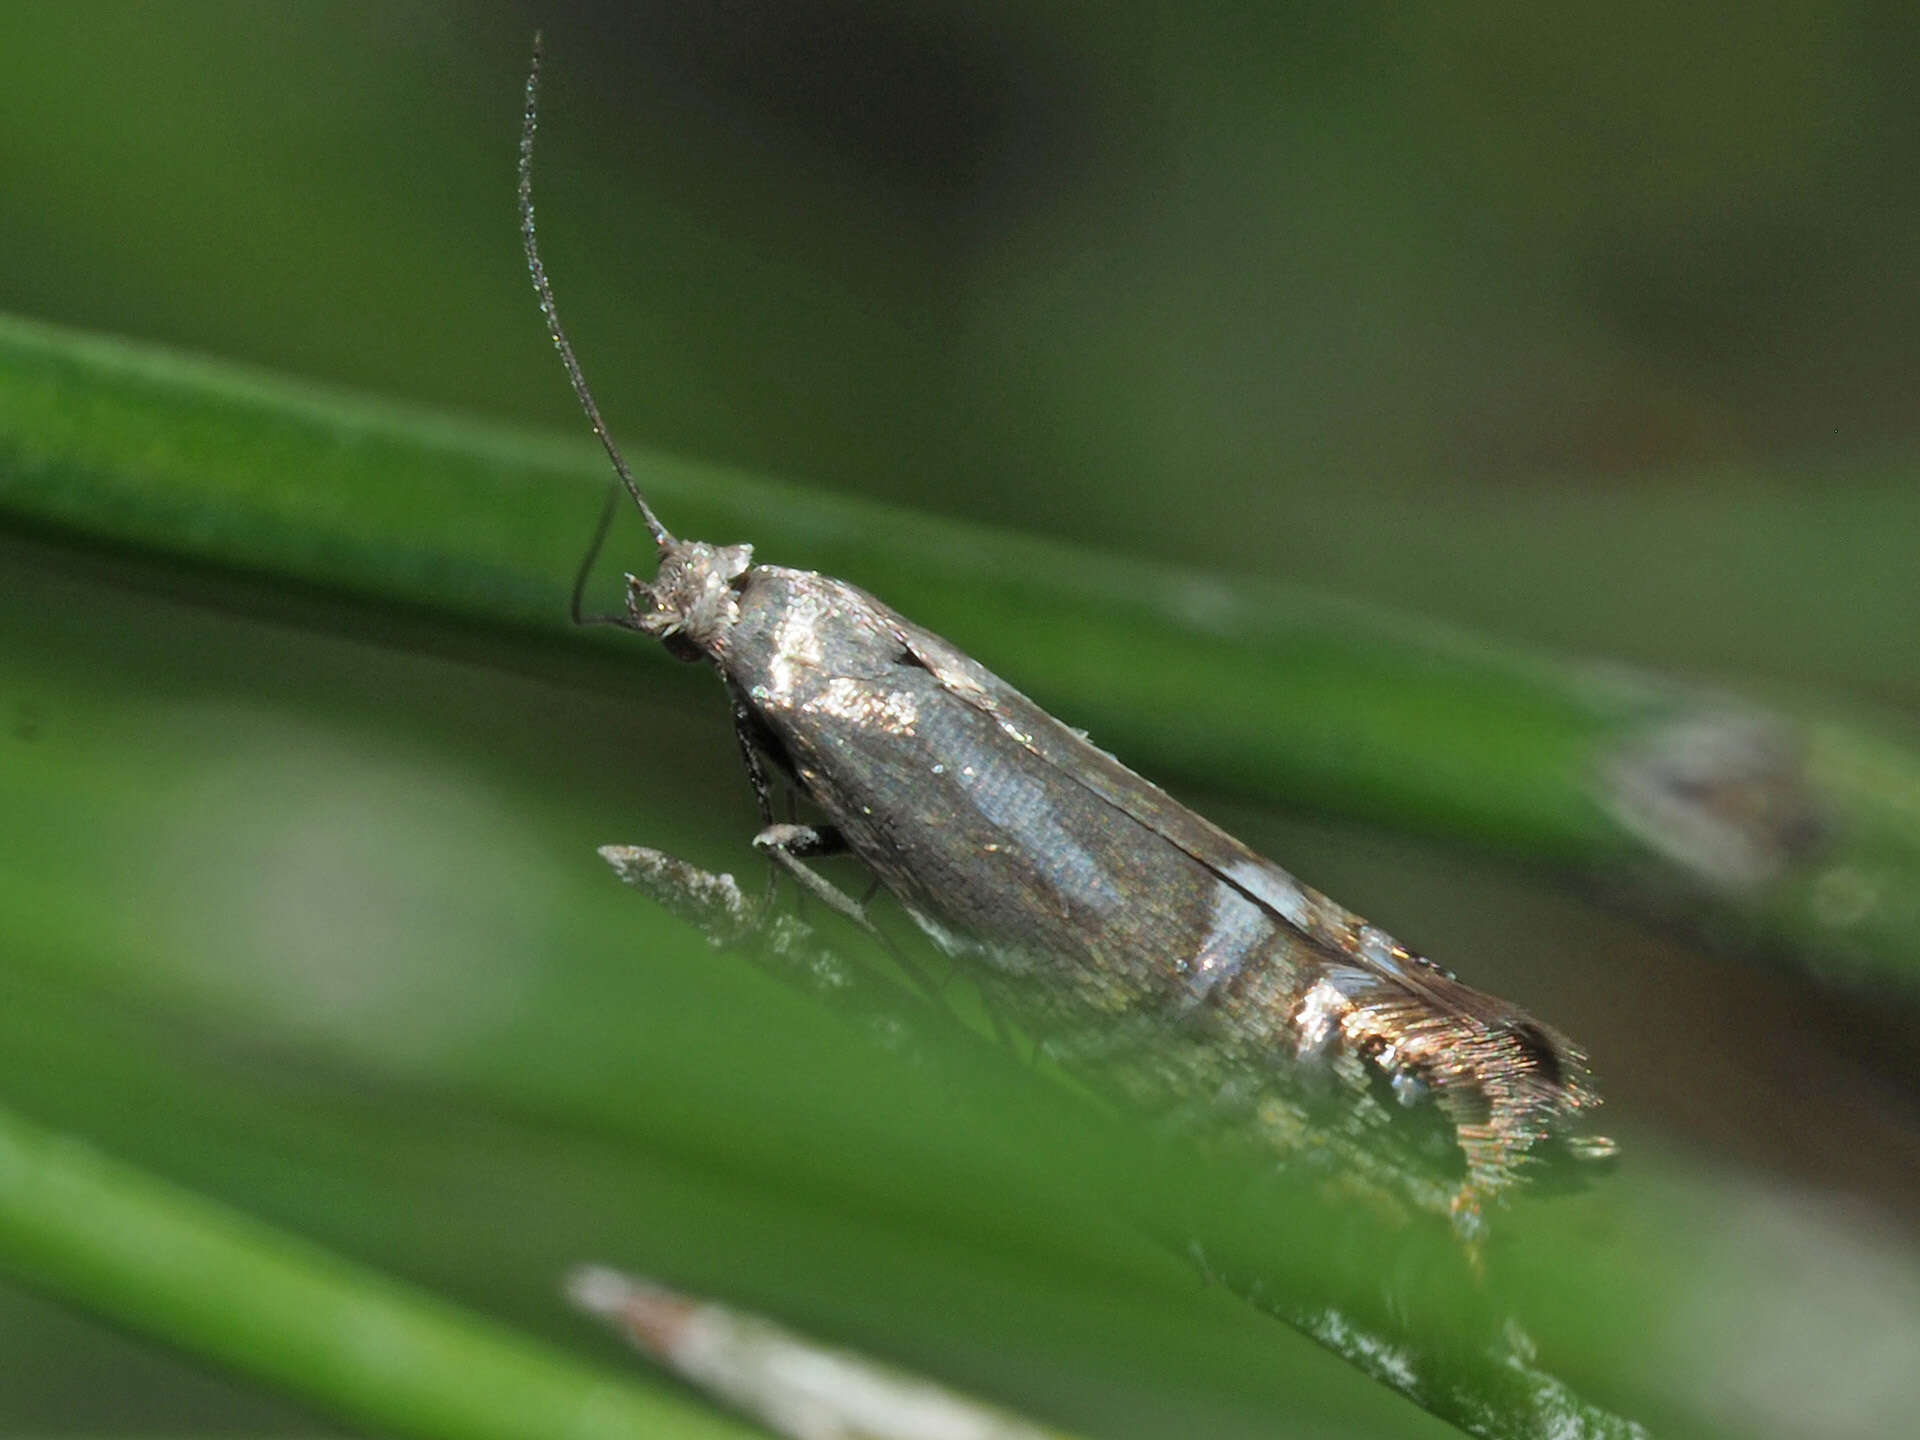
(1147, 944)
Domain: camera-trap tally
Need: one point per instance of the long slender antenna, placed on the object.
(544, 290)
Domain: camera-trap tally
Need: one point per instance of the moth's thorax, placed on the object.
(692, 600)
(797, 633)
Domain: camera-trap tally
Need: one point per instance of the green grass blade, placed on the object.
(1802, 840)
(363, 1346)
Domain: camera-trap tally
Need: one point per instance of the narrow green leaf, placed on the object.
(368, 1349)
(1798, 835)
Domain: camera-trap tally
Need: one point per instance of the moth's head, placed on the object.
(692, 601)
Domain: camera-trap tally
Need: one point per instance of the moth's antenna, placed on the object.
(551, 311)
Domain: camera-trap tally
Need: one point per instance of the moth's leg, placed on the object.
(786, 845)
(762, 790)
(790, 846)
(750, 757)
(805, 842)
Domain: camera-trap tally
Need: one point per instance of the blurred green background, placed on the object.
(1585, 328)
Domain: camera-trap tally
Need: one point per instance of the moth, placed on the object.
(1149, 945)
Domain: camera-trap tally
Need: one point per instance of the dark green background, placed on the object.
(1590, 327)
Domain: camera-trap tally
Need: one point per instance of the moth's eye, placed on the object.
(681, 647)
